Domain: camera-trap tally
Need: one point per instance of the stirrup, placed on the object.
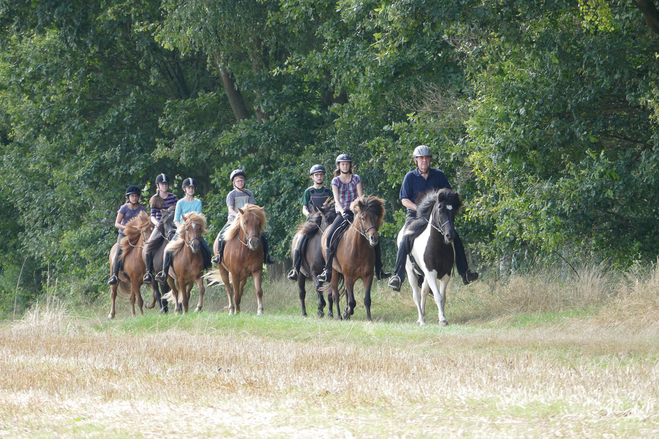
(161, 277)
(216, 259)
(382, 274)
(292, 275)
(322, 276)
(147, 278)
(469, 277)
(113, 280)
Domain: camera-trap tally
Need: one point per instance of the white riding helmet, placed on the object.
(421, 151)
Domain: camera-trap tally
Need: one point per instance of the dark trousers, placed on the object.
(406, 246)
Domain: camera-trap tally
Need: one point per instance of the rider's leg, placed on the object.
(206, 253)
(266, 252)
(217, 259)
(326, 275)
(166, 263)
(396, 281)
(379, 271)
(114, 278)
(147, 279)
(461, 263)
(297, 257)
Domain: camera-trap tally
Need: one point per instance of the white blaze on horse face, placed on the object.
(449, 207)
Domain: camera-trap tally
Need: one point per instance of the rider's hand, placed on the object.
(346, 215)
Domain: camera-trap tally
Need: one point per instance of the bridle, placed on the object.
(361, 223)
(188, 242)
(441, 226)
(144, 239)
(247, 237)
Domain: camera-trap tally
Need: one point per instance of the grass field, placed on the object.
(525, 356)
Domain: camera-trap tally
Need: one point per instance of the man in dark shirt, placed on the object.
(416, 183)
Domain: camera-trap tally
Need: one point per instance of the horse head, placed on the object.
(447, 204)
(252, 222)
(327, 213)
(166, 224)
(194, 226)
(369, 216)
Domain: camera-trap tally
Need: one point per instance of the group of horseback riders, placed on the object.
(345, 188)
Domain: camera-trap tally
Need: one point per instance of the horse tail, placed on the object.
(215, 276)
(123, 290)
(169, 297)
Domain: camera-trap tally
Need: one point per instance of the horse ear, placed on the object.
(261, 207)
(241, 210)
(185, 216)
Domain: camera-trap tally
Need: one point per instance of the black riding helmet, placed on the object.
(343, 158)
(189, 182)
(162, 178)
(132, 189)
(317, 168)
(236, 173)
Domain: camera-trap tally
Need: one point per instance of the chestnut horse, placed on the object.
(312, 259)
(355, 254)
(243, 256)
(136, 232)
(187, 262)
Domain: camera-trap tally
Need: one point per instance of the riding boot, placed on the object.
(267, 259)
(217, 259)
(379, 271)
(397, 279)
(206, 253)
(116, 265)
(167, 262)
(297, 261)
(326, 275)
(149, 268)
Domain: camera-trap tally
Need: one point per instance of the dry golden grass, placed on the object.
(279, 375)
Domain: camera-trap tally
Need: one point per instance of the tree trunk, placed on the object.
(233, 94)
(650, 12)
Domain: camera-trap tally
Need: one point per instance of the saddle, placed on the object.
(338, 234)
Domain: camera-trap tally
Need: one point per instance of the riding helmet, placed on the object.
(316, 168)
(162, 178)
(343, 158)
(422, 150)
(189, 182)
(132, 189)
(236, 173)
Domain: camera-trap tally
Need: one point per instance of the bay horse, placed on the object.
(243, 256)
(312, 259)
(431, 255)
(137, 231)
(355, 254)
(166, 229)
(187, 262)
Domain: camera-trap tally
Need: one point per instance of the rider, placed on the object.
(127, 212)
(346, 187)
(314, 196)
(185, 205)
(236, 199)
(423, 179)
(160, 202)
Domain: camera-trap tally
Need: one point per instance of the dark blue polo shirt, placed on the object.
(414, 185)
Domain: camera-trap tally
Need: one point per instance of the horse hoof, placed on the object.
(304, 314)
(443, 323)
(197, 309)
(320, 314)
(110, 316)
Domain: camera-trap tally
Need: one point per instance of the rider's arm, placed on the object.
(335, 191)
(305, 211)
(117, 222)
(408, 203)
(360, 189)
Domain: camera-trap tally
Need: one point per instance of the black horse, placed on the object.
(312, 257)
(165, 231)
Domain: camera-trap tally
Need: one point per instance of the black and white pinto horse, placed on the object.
(431, 255)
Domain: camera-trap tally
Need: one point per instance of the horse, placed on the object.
(431, 254)
(136, 232)
(243, 256)
(187, 262)
(312, 259)
(355, 254)
(166, 230)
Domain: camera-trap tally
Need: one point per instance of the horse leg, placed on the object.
(335, 293)
(417, 295)
(330, 304)
(350, 298)
(187, 289)
(368, 282)
(229, 290)
(258, 276)
(154, 299)
(239, 288)
(441, 300)
(321, 298)
(175, 295)
(164, 303)
(301, 279)
(113, 297)
(202, 290)
(137, 283)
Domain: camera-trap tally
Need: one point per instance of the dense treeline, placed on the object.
(542, 114)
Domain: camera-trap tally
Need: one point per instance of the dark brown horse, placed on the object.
(243, 256)
(187, 262)
(312, 259)
(355, 254)
(165, 231)
(137, 231)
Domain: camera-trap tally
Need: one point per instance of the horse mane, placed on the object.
(247, 210)
(133, 232)
(167, 216)
(369, 204)
(311, 226)
(427, 204)
(191, 218)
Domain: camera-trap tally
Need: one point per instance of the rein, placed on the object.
(137, 246)
(188, 243)
(361, 232)
(247, 238)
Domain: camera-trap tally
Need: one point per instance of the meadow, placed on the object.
(534, 355)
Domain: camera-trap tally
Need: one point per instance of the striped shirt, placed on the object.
(167, 203)
(347, 191)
